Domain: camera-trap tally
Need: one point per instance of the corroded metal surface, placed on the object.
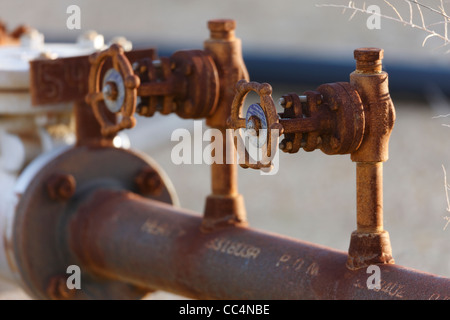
(370, 242)
(103, 208)
(331, 119)
(66, 79)
(87, 129)
(353, 118)
(38, 242)
(61, 186)
(192, 83)
(129, 81)
(231, 263)
(267, 106)
(224, 206)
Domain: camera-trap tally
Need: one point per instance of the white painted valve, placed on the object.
(91, 40)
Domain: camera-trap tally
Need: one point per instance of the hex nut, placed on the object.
(149, 182)
(61, 187)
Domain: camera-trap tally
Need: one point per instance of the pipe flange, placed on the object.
(348, 113)
(40, 246)
(201, 84)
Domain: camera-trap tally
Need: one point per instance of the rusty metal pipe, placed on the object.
(224, 206)
(370, 244)
(87, 128)
(369, 196)
(120, 235)
(225, 173)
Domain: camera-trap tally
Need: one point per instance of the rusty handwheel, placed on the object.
(261, 123)
(118, 90)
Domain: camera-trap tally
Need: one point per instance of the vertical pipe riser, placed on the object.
(370, 243)
(225, 206)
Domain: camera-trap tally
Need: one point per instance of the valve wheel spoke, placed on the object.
(121, 91)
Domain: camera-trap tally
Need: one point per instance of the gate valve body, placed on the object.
(339, 118)
(331, 118)
(187, 84)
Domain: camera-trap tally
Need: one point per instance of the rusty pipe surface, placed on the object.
(122, 236)
(370, 243)
(369, 196)
(224, 206)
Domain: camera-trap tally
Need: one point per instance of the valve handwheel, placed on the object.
(118, 90)
(261, 118)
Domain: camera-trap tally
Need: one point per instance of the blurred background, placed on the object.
(296, 46)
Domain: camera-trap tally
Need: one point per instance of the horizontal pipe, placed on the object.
(120, 235)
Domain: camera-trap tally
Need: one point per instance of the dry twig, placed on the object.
(440, 11)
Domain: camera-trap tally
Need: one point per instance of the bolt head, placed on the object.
(149, 182)
(319, 141)
(61, 187)
(368, 54)
(222, 25)
(289, 145)
(142, 109)
(334, 142)
(286, 145)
